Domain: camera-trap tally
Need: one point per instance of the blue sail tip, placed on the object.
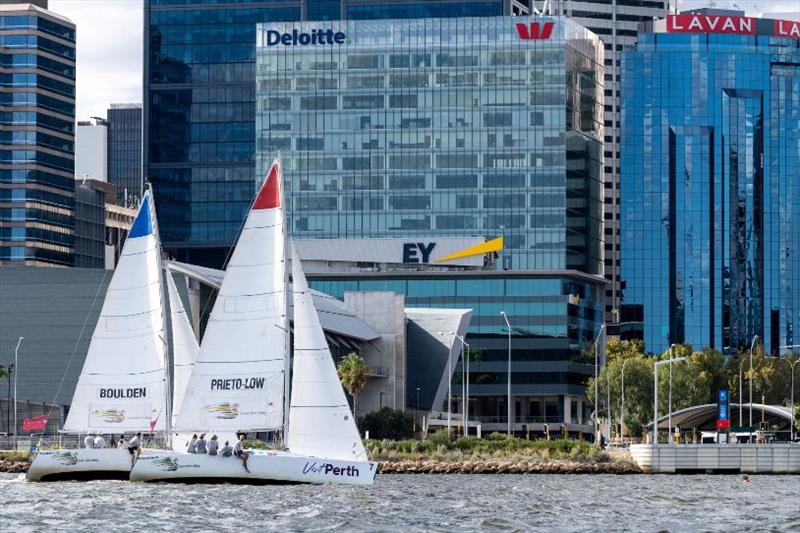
(143, 225)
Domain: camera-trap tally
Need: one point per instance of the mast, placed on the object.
(287, 372)
(167, 337)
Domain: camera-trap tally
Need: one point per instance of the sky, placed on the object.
(110, 45)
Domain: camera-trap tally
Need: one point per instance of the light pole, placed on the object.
(669, 395)
(16, 367)
(622, 404)
(465, 364)
(596, 400)
(655, 394)
(791, 393)
(416, 413)
(741, 402)
(752, 344)
(508, 325)
(8, 397)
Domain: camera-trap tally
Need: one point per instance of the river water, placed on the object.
(412, 503)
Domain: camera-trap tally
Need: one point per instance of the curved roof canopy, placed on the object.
(704, 417)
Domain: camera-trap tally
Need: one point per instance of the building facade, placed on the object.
(616, 23)
(199, 104)
(710, 173)
(37, 112)
(420, 131)
(91, 149)
(125, 152)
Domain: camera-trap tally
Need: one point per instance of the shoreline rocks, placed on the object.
(505, 467)
(14, 467)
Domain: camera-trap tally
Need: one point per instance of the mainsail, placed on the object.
(237, 382)
(121, 387)
(184, 345)
(320, 421)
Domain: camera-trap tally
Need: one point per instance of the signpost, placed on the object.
(723, 418)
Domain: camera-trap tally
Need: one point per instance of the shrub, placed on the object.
(387, 424)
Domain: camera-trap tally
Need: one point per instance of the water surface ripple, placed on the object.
(413, 503)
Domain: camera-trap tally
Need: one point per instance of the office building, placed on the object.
(710, 173)
(199, 104)
(422, 131)
(101, 225)
(37, 112)
(91, 149)
(616, 23)
(125, 152)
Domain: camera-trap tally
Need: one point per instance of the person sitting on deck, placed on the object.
(122, 443)
(226, 450)
(213, 445)
(202, 444)
(191, 446)
(240, 453)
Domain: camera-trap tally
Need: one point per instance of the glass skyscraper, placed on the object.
(710, 180)
(37, 112)
(199, 104)
(124, 123)
(460, 127)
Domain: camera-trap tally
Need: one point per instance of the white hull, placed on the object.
(83, 463)
(264, 466)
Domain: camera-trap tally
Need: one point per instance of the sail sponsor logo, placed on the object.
(328, 469)
(117, 394)
(237, 383)
(224, 411)
(110, 416)
(69, 458)
(314, 37)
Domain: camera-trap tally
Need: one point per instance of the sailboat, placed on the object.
(239, 382)
(122, 387)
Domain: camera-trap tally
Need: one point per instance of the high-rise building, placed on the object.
(616, 22)
(101, 225)
(37, 112)
(710, 180)
(91, 149)
(199, 104)
(411, 133)
(125, 152)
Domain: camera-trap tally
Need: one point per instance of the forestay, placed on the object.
(237, 382)
(320, 421)
(121, 387)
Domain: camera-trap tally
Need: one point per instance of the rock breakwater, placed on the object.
(505, 467)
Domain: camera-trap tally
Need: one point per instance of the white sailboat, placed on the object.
(238, 382)
(121, 388)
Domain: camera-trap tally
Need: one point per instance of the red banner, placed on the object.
(723, 424)
(710, 24)
(786, 28)
(38, 423)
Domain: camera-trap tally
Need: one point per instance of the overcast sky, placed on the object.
(110, 45)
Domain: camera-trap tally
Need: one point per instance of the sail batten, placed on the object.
(320, 421)
(121, 387)
(237, 383)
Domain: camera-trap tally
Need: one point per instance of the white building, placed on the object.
(91, 149)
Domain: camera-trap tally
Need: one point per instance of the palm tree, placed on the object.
(353, 373)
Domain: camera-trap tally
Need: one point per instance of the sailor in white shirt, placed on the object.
(88, 442)
(99, 442)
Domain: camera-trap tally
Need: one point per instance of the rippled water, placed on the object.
(413, 503)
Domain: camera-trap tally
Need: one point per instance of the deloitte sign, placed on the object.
(302, 38)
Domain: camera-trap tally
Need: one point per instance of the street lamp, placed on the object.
(741, 402)
(655, 395)
(465, 386)
(622, 404)
(449, 382)
(16, 366)
(416, 413)
(669, 395)
(791, 394)
(8, 396)
(752, 344)
(508, 325)
(596, 400)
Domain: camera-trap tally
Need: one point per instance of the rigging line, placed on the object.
(78, 340)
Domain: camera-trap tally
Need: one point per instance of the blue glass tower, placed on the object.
(37, 112)
(199, 104)
(710, 177)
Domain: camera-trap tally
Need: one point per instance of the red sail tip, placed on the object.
(269, 197)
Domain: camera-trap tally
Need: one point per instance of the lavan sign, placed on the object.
(314, 37)
(733, 25)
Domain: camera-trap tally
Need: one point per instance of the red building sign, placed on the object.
(786, 28)
(537, 31)
(710, 24)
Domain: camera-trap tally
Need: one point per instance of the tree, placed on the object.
(353, 373)
(387, 424)
(3, 372)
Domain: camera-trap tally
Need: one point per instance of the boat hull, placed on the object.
(80, 464)
(265, 467)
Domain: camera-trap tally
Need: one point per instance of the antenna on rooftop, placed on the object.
(546, 9)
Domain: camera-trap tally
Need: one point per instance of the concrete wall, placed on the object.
(384, 312)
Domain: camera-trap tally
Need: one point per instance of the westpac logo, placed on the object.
(313, 37)
(537, 31)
